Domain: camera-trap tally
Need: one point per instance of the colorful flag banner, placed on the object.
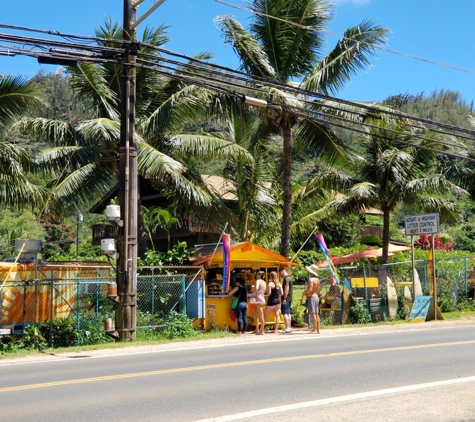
(226, 261)
(328, 256)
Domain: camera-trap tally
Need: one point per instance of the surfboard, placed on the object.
(392, 298)
(417, 284)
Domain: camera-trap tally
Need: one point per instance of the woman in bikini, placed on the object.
(258, 299)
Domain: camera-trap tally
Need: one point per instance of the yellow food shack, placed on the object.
(245, 259)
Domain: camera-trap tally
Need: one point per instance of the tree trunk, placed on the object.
(386, 220)
(287, 190)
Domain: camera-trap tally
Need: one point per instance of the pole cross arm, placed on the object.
(135, 4)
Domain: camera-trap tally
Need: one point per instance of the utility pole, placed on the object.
(127, 265)
(126, 312)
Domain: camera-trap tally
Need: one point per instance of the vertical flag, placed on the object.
(226, 258)
(328, 256)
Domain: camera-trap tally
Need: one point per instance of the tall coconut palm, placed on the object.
(17, 97)
(250, 182)
(285, 44)
(89, 149)
(391, 173)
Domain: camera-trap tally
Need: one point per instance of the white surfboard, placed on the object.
(392, 298)
(417, 284)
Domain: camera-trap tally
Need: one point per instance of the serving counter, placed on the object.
(218, 313)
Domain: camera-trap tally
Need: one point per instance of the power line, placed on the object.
(310, 28)
(230, 73)
(208, 69)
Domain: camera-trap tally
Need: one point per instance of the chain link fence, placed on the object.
(162, 291)
(84, 302)
(363, 288)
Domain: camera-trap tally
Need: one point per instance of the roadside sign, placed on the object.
(421, 224)
(419, 309)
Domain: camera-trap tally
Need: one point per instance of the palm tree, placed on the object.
(88, 150)
(156, 217)
(17, 97)
(250, 182)
(283, 45)
(391, 173)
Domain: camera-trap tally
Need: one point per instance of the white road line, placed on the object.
(298, 406)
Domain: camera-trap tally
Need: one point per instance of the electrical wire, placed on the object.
(310, 28)
(328, 106)
(207, 68)
(230, 73)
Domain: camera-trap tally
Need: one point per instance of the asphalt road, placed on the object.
(425, 373)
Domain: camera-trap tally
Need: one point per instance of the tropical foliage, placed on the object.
(17, 95)
(284, 44)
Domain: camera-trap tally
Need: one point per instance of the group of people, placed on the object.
(279, 298)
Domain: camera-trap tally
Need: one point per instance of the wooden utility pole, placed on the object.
(127, 266)
(125, 319)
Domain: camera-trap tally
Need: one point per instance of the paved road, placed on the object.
(424, 371)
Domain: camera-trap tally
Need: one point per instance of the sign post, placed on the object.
(423, 224)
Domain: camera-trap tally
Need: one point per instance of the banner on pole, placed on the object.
(226, 261)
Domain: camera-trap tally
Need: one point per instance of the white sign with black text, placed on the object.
(421, 224)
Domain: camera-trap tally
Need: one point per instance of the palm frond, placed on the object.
(313, 136)
(90, 81)
(53, 132)
(283, 30)
(206, 146)
(253, 58)
(350, 55)
(15, 187)
(92, 180)
(17, 96)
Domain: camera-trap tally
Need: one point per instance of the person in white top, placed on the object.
(258, 299)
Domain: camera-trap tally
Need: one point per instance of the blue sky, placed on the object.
(435, 30)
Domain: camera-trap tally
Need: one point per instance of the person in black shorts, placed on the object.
(286, 307)
(274, 290)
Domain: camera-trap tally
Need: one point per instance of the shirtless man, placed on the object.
(312, 292)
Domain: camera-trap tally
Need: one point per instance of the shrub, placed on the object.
(178, 325)
(92, 332)
(359, 313)
(63, 332)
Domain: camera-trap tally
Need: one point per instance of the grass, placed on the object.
(213, 334)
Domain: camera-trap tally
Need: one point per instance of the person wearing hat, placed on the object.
(312, 292)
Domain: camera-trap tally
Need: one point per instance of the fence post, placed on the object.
(78, 308)
(183, 292)
(466, 277)
(366, 289)
(153, 294)
(51, 310)
(24, 304)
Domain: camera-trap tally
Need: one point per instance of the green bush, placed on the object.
(178, 325)
(63, 332)
(92, 332)
(30, 340)
(359, 313)
(402, 309)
